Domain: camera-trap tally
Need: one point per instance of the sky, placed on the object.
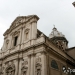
(60, 13)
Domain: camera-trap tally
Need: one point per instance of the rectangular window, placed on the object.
(15, 40)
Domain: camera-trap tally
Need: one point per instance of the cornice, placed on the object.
(22, 50)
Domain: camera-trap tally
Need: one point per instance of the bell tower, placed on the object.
(59, 39)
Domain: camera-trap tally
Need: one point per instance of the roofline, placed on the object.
(70, 48)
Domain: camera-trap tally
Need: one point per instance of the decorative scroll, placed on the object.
(10, 70)
(24, 70)
(25, 63)
(38, 69)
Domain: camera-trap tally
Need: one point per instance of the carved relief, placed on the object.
(16, 22)
(24, 70)
(24, 67)
(38, 59)
(10, 69)
(60, 44)
(1, 70)
(24, 63)
(38, 69)
(15, 33)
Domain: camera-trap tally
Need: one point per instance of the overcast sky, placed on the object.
(60, 13)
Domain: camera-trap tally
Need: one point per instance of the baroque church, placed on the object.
(28, 51)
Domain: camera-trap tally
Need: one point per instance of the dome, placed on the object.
(55, 33)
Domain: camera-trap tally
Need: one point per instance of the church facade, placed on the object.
(28, 51)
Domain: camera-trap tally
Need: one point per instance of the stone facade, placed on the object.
(27, 51)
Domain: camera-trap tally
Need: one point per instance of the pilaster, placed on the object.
(44, 64)
(16, 67)
(32, 64)
(22, 39)
(34, 30)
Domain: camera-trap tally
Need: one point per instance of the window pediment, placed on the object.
(27, 30)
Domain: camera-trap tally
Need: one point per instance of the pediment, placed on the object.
(20, 20)
(17, 21)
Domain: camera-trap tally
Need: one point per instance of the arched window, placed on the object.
(54, 64)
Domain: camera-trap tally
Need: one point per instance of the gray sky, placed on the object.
(61, 13)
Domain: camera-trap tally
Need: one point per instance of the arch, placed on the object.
(54, 64)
